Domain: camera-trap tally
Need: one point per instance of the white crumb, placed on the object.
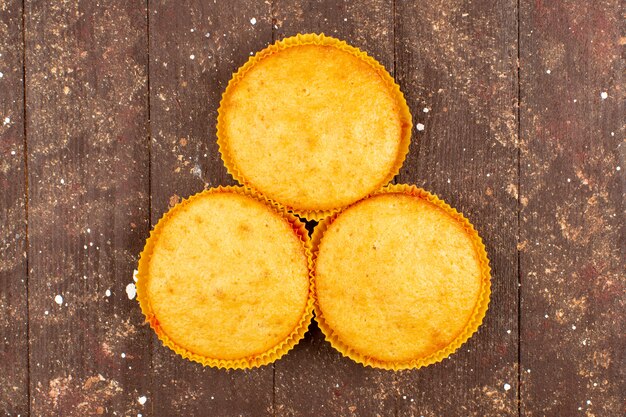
(131, 291)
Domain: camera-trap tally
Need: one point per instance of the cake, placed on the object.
(401, 279)
(314, 124)
(224, 279)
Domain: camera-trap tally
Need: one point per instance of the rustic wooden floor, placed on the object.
(107, 118)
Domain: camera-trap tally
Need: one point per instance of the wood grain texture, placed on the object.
(13, 260)
(572, 208)
(86, 101)
(121, 106)
(315, 379)
(195, 46)
(456, 63)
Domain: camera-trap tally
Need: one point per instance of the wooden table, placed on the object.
(107, 119)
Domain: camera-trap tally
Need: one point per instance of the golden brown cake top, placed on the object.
(227, 277)
(314, 126)
(397, 278)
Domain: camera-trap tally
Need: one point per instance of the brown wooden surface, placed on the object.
(572, 214)
(87, 137)
(121, 101)
(13, 235)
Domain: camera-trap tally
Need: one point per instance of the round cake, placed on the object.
(314, 124)
(401, 279)
(224, 279)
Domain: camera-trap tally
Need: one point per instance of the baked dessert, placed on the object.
(224, 279)
(401, 279)
(314, 124)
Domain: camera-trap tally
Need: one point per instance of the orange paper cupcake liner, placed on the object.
(314, 39)
(244, 363)
(480, 309)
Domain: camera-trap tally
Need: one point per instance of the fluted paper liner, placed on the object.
(248, 362)
(480, 309)
(315, 39)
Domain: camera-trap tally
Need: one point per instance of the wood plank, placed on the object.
(314, 379)
(13, 240)
(572, 211)
(456, 62)
(87, 116)
(195, 46)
